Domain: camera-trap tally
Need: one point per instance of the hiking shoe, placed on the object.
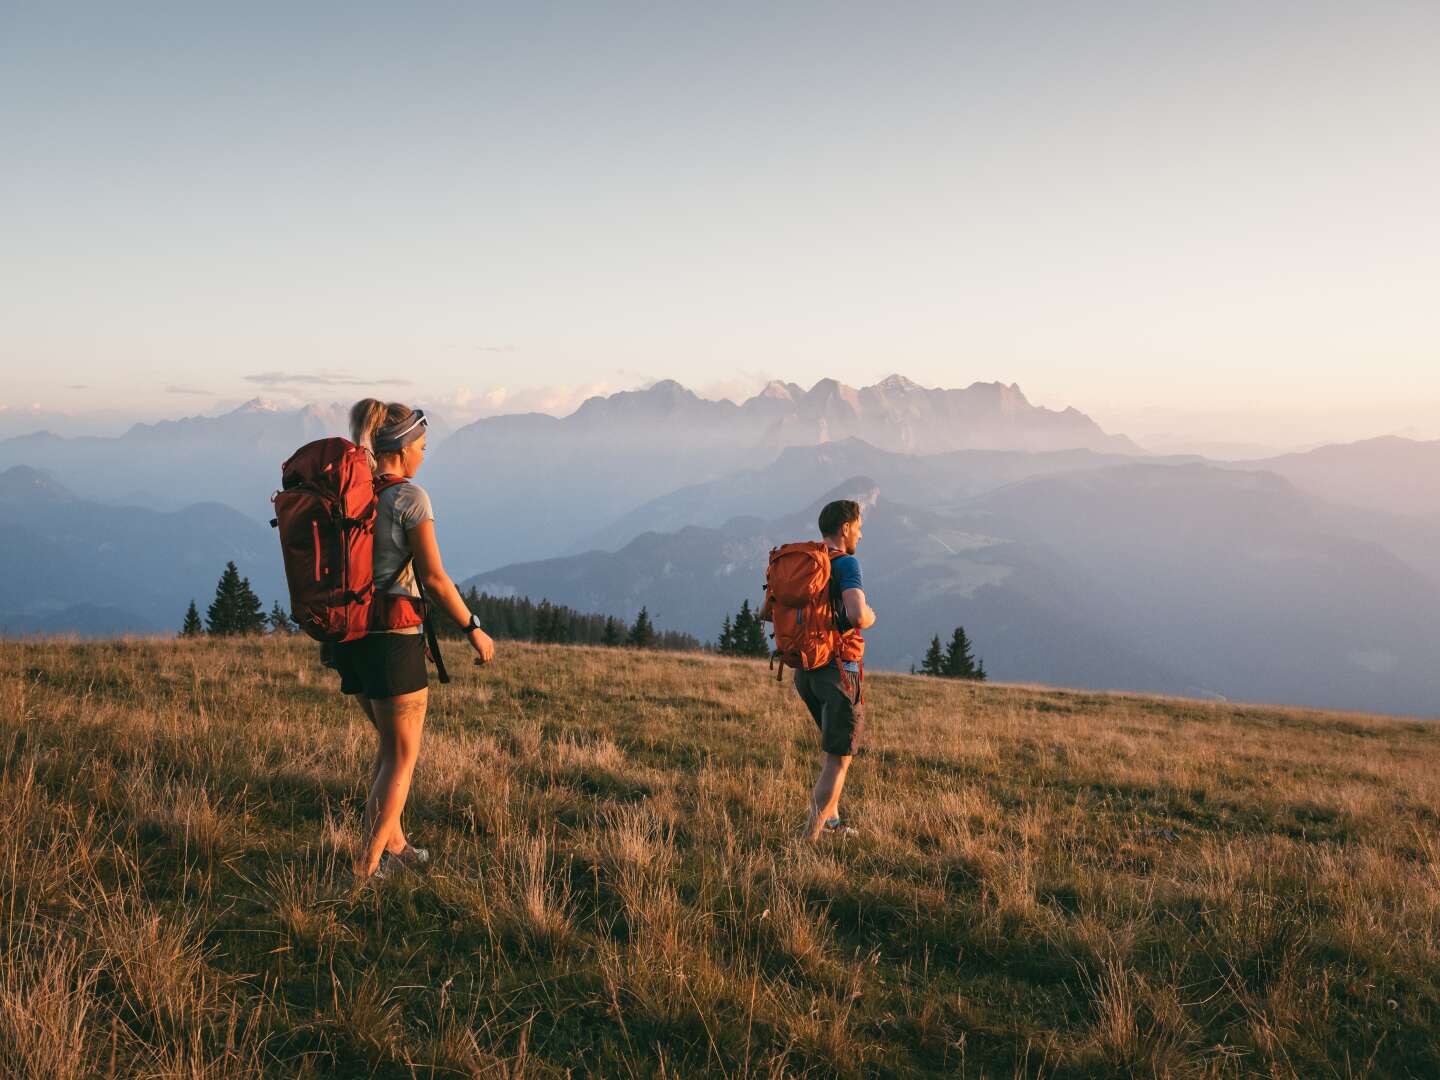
(835, 827)
(388, 866)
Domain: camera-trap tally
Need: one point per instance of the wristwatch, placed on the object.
(474, 623)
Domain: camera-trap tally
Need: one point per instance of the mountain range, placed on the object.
(1181, 578)
(546, 483)
(77, 566)
(1398, 476)
(530, 485)
(1067, 555)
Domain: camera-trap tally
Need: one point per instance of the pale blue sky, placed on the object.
(1218, 209)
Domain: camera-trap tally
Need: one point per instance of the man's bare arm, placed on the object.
(860, 614)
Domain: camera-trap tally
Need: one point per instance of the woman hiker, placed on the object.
(385, 669)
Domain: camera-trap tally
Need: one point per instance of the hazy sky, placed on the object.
(1149, 209)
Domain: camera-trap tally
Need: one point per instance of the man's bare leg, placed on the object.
(825, 799)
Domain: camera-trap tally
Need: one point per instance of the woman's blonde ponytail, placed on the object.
(366, 417)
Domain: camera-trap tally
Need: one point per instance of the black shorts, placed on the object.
(833, 698)
(382, 665)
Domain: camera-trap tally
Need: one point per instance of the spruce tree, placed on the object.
(236, 609)
(934, 662)
(959, 658)
(280, 620)
(740, 632)
(751, 640)
(545, 622)
(979, 675)
(251, 612)
(726, 645)
(642, 634)
(614, 632)
(192, 626)
(220, 616)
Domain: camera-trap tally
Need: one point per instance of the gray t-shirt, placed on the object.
(402, 507)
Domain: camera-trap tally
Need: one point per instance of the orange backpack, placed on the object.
(798, 602)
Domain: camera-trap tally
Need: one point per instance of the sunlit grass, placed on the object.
(1045, 883)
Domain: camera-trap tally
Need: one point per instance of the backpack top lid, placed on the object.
(323, 462)
(799, 574)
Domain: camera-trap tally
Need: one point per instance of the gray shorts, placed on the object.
(833, 698)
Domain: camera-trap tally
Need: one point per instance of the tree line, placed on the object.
(954, 661)
(237, 611)
(744, 635)
(518, 618)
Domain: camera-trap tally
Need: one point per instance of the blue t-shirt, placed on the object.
(845, 573)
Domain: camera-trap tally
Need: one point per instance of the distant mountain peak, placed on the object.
(257, 405)
(777, 390)
(861, 489)
(898, 384)
(25, 482)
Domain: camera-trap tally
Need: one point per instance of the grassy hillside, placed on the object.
(1047, 883)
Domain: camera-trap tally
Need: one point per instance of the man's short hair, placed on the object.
(837, 515)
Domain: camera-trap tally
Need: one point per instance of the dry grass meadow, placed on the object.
(1047, 883)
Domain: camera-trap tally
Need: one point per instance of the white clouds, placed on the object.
(321, 378)
(555, 400)
(738, 387)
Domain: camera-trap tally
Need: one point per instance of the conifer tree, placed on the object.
(934, 662)
(280, 620)
(642, 634)
(750, 633)
(614, 633)
(251, 610)
(236, 609)
(959, 657)
(740, 630)
(726, 645)
(547, 622)
(192, 626)
(979, 675)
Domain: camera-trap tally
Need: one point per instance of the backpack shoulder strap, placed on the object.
(384, 482)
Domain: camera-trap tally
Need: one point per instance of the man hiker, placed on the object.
(815, 599)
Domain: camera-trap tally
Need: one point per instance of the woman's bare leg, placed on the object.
(400, 722)
(372, 803)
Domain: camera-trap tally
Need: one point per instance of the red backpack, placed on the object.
(326, 511)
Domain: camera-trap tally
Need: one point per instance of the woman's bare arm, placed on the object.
(437, 584)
